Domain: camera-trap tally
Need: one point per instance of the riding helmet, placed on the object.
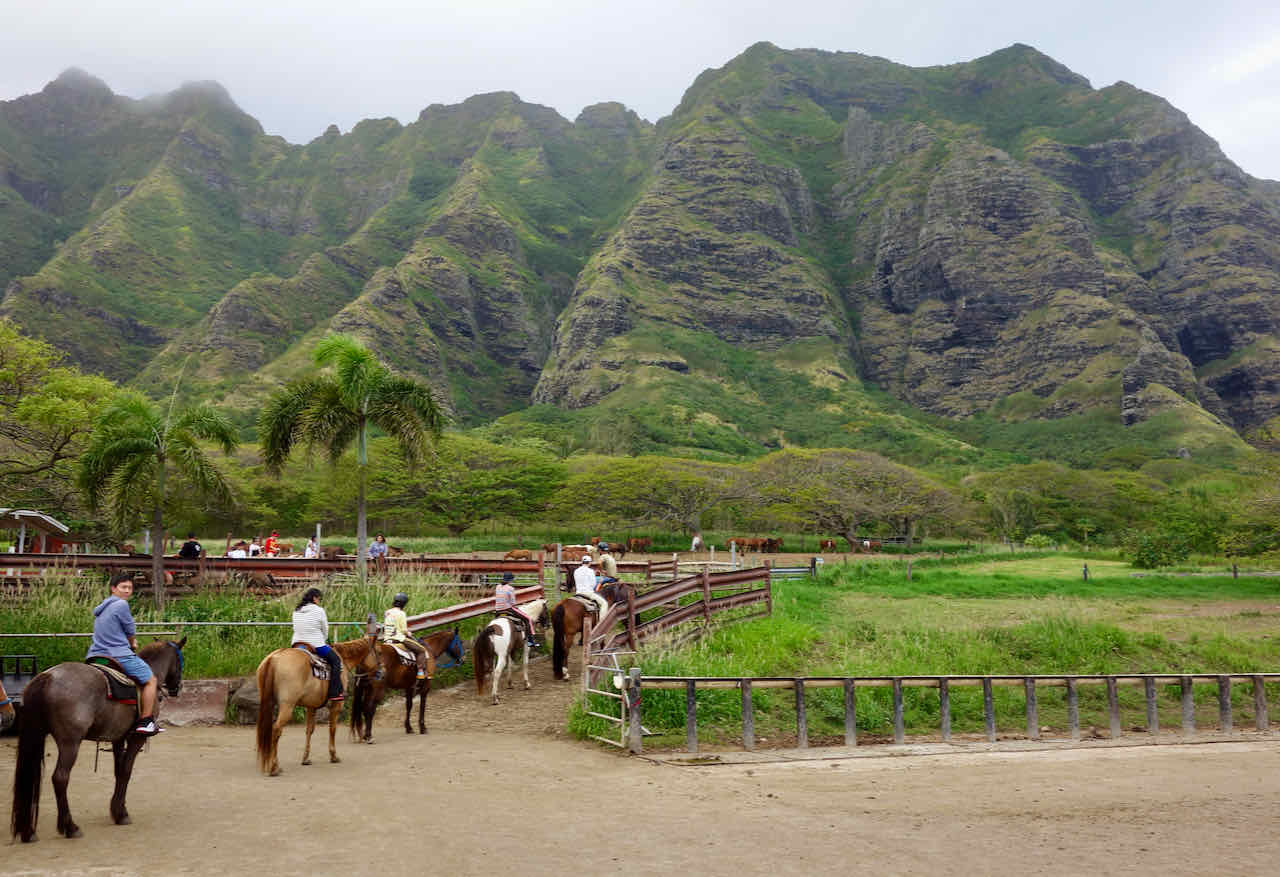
(401, 600)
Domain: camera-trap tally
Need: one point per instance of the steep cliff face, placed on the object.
(993, 237)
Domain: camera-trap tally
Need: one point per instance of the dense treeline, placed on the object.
(1158, 510)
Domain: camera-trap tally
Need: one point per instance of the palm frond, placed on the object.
(282, 421)
(196, 468)
(208, 423)
(357, 370)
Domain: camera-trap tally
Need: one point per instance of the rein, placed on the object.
(453, 662)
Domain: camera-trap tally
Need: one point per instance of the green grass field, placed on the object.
(1033, 615)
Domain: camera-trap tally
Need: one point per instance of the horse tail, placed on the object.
(32, 730)
(559, 654)
(266, 710)
(483, 654)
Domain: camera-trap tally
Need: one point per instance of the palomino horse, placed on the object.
(285, 680)
(397, 675)
(7, 713)
(70, 702)
(497, 645)
(567, 623)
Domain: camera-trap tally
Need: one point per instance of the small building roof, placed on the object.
(12, 519)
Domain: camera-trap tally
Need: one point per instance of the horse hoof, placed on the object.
(74, 831)
(306, 761)
(422, 730)
(275, 772)
(124, 820)
(333, 759)
(369, 741)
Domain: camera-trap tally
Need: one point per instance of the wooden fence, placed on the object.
(636, 682)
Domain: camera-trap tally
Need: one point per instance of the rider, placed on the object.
(114, 636)
(504, 603)
(395, 629)
(311, 626)
(584, 584)
(608, 566)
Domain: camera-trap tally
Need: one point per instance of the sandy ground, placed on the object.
(494, 789)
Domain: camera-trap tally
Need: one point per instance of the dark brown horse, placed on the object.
(285, 680)
(567, 623)
(399, 676)
(70, 702)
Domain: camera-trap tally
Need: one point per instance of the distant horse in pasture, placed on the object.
(70, 701)
(285, 680)
(518, 554)
(397, 675)
(827, 545)
(497, 645)
(567, 623)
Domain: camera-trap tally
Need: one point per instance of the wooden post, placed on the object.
(1225, 721)
(1073, 708)
(944, 708)
(850, 714)
(909, 568)
(542, 577)
(586, 653)
(1188, 707)
(1113, 707)
(802, 718)
(989, 710)
(748, 717)
(635, 730)
(631, 619)
(1153, 710)
(1033, 709)
(706, 595)
(1260, 704)
(691, 714)
(675, 566)
(899, 732)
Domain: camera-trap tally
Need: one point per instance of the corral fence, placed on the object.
(620, 631)
(635, 683)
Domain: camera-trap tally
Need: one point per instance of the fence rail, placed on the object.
(636, 682)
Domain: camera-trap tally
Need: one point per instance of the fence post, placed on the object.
(691, 714)
(1073, 708)
(899, 732)
(1188, 707)
(1260, 704)
(733, 554)
(542, 581)
(635, 736)
(944, 707)
(706, 595)
(1153, 711)
(1033, 710)
(1225, 722)
(988, 709)
(802, 719)
(1113, 707)
(748, 717)
(675, 566)
(1085, 570)
(909, 568)
(586, 652)
(850, 714)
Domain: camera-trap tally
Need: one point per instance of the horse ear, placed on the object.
(182, 643)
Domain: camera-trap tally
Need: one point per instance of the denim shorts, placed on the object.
(136, 668)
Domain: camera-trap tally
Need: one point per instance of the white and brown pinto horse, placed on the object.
(497, 645)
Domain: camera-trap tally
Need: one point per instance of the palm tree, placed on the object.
(134, 451)
(334, 409)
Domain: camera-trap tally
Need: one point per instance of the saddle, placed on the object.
(587, 603)
(319, 666)
(406, 657)
(120, 687)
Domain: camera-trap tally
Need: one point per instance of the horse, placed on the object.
(827, 545)
(518, 554)
(496, 646)
(397, 675)
(567, 623)
(70, 702)
(7, 712)
(285, 680)
(639, 543)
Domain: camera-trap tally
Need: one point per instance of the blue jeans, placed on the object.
(335, 669)
(135, 668)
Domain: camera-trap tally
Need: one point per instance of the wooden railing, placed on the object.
(636, 682)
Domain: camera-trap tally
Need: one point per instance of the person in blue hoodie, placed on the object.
(115, 636)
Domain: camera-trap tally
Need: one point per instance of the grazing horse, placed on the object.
(827, 545)
(285, 680)
(518, 554)
(70, 702)
(496, 646)
(7, 712)
(399, 676)
(567, 623)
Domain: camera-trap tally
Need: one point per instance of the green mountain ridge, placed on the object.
(807, 232)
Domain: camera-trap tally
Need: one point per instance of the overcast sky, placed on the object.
(298, 65)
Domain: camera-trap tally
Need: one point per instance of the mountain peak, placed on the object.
(73, 80)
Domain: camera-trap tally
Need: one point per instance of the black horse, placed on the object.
(70, 702)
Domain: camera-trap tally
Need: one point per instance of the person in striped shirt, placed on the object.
(504, 603)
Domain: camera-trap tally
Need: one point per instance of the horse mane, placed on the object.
(439, 639)
(152, 648)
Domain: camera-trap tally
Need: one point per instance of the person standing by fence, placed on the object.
(378, 554)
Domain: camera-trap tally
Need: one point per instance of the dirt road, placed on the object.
(494, 790)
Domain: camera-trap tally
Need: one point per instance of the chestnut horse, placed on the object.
(567, 623)
(397, 675)
(70, 702)
(285, 680)
(496, 647)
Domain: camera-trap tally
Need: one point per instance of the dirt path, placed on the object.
(491, 789)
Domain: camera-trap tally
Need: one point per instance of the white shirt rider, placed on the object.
(584, 582)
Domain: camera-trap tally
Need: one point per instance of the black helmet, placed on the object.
(604, 546)
(506, 577)
(401, 600)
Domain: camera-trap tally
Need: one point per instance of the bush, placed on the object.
(1149, 550)
(1040, 542)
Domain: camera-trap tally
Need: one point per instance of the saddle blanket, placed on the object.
(591, 605)
(120, 687)
(406, 656)
(319, 666)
